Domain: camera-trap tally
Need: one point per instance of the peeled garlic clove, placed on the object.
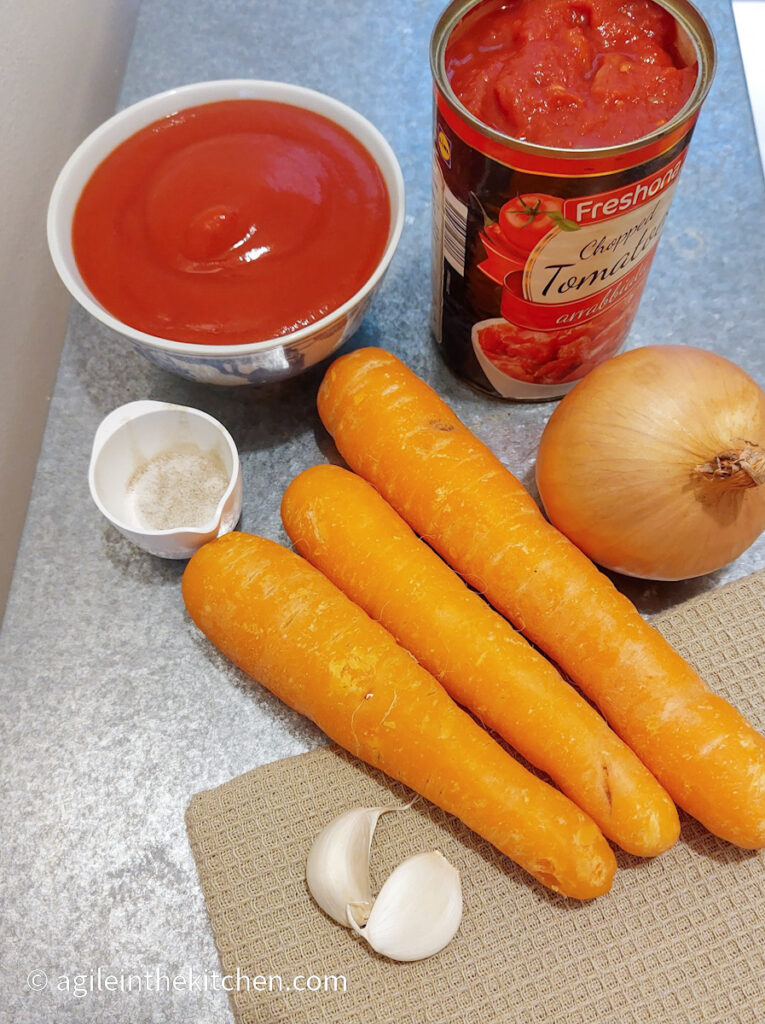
(337, 870)
(418, 911)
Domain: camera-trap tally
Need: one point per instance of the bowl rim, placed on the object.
(192, 94)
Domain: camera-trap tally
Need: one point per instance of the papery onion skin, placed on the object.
(637, 465)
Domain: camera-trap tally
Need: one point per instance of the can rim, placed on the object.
(685, 14)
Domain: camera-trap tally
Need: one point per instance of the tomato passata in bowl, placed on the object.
(234, 231)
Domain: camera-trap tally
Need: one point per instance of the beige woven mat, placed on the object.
(680, 938)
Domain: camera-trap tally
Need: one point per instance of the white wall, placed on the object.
(62, 63)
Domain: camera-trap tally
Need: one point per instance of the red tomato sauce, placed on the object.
(231, 222)
(577, 74)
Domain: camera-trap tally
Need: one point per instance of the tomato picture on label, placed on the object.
(522, 223)
(553, 357)
(525, 220)
(500, 259)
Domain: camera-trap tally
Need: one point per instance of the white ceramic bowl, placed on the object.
(128, 439)
(259, 362)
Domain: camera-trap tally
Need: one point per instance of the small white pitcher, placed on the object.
(134, 434)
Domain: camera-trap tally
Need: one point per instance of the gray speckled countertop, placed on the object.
(114, 709)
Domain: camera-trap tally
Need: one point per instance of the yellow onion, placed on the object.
(654, 465)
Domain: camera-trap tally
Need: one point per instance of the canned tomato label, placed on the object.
(540, 254)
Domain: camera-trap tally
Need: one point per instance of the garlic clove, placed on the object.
(418, 910)
(337, 870)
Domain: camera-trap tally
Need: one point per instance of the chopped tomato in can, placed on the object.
(560, 130)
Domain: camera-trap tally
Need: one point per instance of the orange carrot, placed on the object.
(398, 434)
(284, 623)
(343, 527)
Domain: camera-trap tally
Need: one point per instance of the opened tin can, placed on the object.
(540, 254)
